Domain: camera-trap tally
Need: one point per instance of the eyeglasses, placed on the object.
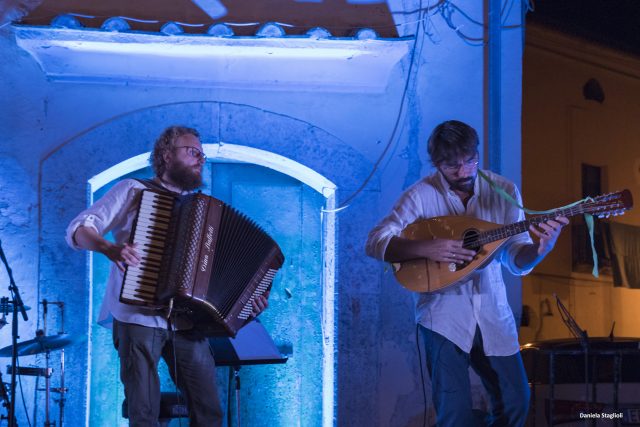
(455, 167)
(194, 152)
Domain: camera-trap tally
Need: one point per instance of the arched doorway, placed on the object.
(289, 201)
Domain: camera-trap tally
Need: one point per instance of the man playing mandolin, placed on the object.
(470, 322)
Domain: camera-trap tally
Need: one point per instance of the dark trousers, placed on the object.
(191, 365)
(503, 377)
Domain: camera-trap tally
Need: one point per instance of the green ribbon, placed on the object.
(588, 218)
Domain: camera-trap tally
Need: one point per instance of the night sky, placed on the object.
(614, 23)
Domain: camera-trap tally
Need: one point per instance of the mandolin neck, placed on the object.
(522, 226)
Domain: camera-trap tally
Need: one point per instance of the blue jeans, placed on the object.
(503, 377)
(190, 362)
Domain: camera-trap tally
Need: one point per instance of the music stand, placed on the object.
(251, 346)
(586, 347)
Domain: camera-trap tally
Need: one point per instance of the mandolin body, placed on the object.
(423, 275)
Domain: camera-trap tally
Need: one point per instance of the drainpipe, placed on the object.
(492, 85)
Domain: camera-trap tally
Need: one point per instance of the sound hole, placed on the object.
(470, 240)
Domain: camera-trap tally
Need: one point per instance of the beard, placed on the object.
(463, 184)
(186, 177)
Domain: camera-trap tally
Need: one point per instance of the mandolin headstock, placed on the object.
(611, 204)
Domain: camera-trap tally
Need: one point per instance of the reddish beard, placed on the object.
(186, 177)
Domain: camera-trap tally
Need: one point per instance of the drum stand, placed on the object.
(17, 306)
(62, 390)
(47, 423)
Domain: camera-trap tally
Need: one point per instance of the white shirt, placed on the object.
(115, 212)
(482, 300)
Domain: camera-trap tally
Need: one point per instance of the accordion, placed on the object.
(199, 256)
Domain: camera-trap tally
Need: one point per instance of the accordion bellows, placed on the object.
(201, 255)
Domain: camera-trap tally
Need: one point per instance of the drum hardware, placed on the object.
(56, 390)
(16, 305)
(55, 342)
(43, 344)
(5, 308)
(31, 371)
(40, 344)
(4, 397)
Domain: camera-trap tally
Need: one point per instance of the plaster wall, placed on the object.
(562, 130)
(339, 135)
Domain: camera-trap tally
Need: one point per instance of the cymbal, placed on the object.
(40, 344)
(7, 307)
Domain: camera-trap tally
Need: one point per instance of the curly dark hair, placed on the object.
(451, 140)
(166, 142)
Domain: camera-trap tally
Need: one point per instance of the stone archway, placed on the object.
(66, 172)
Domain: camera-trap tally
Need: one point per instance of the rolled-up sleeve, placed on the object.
(103, 213)
(406, 210)
(515, 244)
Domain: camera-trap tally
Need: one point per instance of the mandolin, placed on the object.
(485, 238)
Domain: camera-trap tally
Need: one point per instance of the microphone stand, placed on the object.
(17, 305)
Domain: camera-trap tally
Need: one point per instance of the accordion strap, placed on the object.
(152, 185)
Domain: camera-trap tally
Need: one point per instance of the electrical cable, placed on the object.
(186, 24)
(80, 15)
(504, 14)
(445, 9)
(424, 386)
(426, 20)
(241, 24)
(172, 333)
(446, 12)
(392, 137)
(419, 10)
(454, 7)
(143, 21)
(427, 408)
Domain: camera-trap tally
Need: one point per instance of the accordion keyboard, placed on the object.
(200, 257)
(150, 237)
